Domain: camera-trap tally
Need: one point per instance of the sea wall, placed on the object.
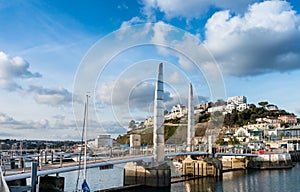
(271, 161)
(295, 155)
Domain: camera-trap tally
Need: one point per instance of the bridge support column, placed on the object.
(156, 177)
(158, 173)
(52, 183)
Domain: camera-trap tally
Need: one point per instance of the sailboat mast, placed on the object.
(85, 136)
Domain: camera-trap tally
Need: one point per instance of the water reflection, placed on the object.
(237, 181)
(246, 180)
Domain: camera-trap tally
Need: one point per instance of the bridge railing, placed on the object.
(3, 184)
(45, 158)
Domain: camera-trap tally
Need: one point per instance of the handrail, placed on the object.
(3, 185)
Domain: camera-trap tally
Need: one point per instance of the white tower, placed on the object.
(158, 129)
(190, 129)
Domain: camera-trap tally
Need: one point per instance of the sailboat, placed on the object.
(84, 185)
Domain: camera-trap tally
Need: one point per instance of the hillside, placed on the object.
(176, 129)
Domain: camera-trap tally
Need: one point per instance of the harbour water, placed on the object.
(245, 180)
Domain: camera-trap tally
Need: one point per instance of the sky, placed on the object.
(54, 53)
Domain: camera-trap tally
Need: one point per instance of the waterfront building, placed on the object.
(290, 119)
(135, 140)
(292, 132)
(103, 141)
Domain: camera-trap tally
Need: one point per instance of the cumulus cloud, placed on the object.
(53, 97)
(161, 30)
(5, 119)
(143, 95)
(265, 39)
(128, 92)
(13, 68)
(134, 20)
(190, 9)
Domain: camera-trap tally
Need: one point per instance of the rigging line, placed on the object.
(85, 139)
(80, 154)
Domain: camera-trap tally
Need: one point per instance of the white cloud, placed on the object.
(41, 129)
(9, 122)
(265, 39)
(160, 36)
(12, 69)
(190, 9)
(128, 92)
(5, 119)
(53, 97)
(174, 78)
(134, 20)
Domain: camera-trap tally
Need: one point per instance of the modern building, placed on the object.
(103, 141)
(237, 102)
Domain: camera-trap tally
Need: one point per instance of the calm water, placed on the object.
(287, 180)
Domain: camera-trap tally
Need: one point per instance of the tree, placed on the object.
(263, 103)
(220, 141)
(233, 141)
(132, 125)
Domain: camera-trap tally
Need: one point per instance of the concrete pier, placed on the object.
(210, 167)
(147, 175)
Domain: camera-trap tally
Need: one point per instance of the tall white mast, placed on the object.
(85, 135)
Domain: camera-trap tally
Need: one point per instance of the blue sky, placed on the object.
(53, 52)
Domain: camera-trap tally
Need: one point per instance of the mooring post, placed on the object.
(34, 176)
(60, 160)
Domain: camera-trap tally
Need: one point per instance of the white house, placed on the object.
(237, 102)
(271, 107)
(177, 111)
(217, 108)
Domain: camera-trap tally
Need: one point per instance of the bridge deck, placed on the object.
(48, 169)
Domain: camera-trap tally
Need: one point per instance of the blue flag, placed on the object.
(85, 186)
